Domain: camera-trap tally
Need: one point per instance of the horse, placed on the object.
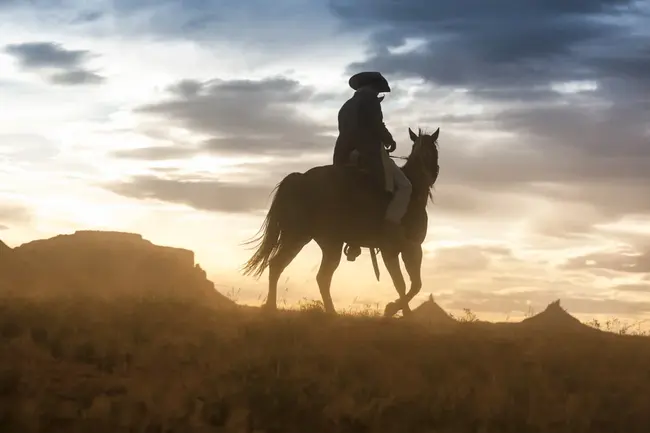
(335, 205)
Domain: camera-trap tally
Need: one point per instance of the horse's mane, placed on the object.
(413, 155)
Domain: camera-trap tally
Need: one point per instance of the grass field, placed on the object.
(166, 366)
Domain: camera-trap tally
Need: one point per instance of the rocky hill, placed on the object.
(4, 249)
(430, 313)
(555, 318)
(104, 264)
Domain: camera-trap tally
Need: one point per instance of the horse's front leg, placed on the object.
(391, 260)
(412, 258)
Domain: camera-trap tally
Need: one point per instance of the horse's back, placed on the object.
(345, 188)
(341, 201)
(345, 175)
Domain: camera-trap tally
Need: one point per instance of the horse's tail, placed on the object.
(281, 216)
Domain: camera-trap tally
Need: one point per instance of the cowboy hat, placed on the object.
(374, 79)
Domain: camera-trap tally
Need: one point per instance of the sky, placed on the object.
(175, 119)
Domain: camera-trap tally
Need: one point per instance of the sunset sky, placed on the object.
(175, 119)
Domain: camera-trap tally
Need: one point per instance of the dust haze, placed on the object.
(105, 331)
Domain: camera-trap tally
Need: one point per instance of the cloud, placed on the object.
(637, 288)
(266, 32)
(88, 17)
(238, 107)
(545, 76)
(78, 77)
(38, 3)
(504, 46)
(35, 55)
(209, 195)
(247, 189)
(624, 260)
(469, 258)
(494, 278)
(46, 56)
(526, 301)
(27, 147)
(155, 153)
(12, 214)
(240, 117)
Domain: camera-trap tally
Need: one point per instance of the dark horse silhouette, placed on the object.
(334, 205)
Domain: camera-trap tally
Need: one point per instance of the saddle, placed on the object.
(362, 172)
(358, 168)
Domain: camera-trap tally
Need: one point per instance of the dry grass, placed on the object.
(165, 366)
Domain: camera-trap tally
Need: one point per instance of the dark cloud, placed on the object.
(36, 55)
(78, 77)
(607, 132)
(586, 185)
(504, 45)
(88, 16)
(585, 155)
(68, 64)
(567, 80)
(252, 117)
(3, 227)
(574, 150)
(209, 195)
(238, 107)
(186, 88)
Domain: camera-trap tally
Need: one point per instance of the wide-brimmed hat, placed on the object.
(374, 79)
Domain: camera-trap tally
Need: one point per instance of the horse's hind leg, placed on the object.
(328, 265)
(285, 255)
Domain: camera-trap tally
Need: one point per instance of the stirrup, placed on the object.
(352, 252)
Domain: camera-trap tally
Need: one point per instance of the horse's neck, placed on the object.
(420, 194)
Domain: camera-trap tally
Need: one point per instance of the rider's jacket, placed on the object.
(361, 128)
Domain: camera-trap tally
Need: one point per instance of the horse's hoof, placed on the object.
(391, 309)
(268, 308)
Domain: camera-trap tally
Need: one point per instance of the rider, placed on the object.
(361, 128)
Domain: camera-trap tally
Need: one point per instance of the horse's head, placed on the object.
(424, 154)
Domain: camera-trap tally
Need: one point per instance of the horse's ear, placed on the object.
(414, 137)
(435, 135)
